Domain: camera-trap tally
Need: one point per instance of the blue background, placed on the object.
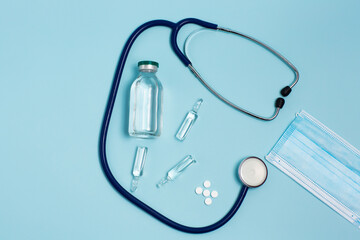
(57, 60)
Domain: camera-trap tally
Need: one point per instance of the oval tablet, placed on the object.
(208, 201)
(198, 190)
(207, 184)
(206, 193)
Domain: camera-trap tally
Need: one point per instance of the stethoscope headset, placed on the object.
(246, 166)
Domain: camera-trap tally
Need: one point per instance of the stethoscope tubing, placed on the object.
(106, 121)
(279, 103)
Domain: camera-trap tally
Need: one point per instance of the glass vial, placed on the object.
(145, 117)
(189, 121)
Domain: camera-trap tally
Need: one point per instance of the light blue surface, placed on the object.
(57, 61)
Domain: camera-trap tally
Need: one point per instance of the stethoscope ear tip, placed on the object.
(252, 172)
(279, 103)
(285, 91)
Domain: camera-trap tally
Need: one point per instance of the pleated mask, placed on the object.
(322, 162)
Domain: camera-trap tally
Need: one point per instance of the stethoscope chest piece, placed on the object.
(252, 172)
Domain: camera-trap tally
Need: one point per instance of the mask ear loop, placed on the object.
(279, 103)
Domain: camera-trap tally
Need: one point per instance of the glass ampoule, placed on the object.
(177, 170)
(188, 121)
(138, 167)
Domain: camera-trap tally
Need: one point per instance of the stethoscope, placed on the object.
(252, 171)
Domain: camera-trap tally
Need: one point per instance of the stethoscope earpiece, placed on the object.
(279, 103)
(285, 91)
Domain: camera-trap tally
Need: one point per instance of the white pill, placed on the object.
(214, 194)
(207, 184)
(208, 201)
(206, 193)
(198, 190)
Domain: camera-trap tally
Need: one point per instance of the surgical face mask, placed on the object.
(322, 162)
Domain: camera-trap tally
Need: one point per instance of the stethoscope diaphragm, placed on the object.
(252, 172)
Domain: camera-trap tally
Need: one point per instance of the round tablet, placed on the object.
(198, 190)
(252, 172)
(206, 193)
(207, 184)
(208, 201)
(214, 194)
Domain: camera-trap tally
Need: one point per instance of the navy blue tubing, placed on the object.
(175, 31)
(107, 116)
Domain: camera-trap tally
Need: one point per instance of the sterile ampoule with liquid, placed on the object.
(145, 116)
(177, 170)
(138, 167)
(189, 121)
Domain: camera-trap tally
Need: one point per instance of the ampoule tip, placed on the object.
(134, 184)
(162, 182)
(197, 105)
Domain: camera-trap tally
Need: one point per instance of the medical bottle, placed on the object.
(145, 116)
